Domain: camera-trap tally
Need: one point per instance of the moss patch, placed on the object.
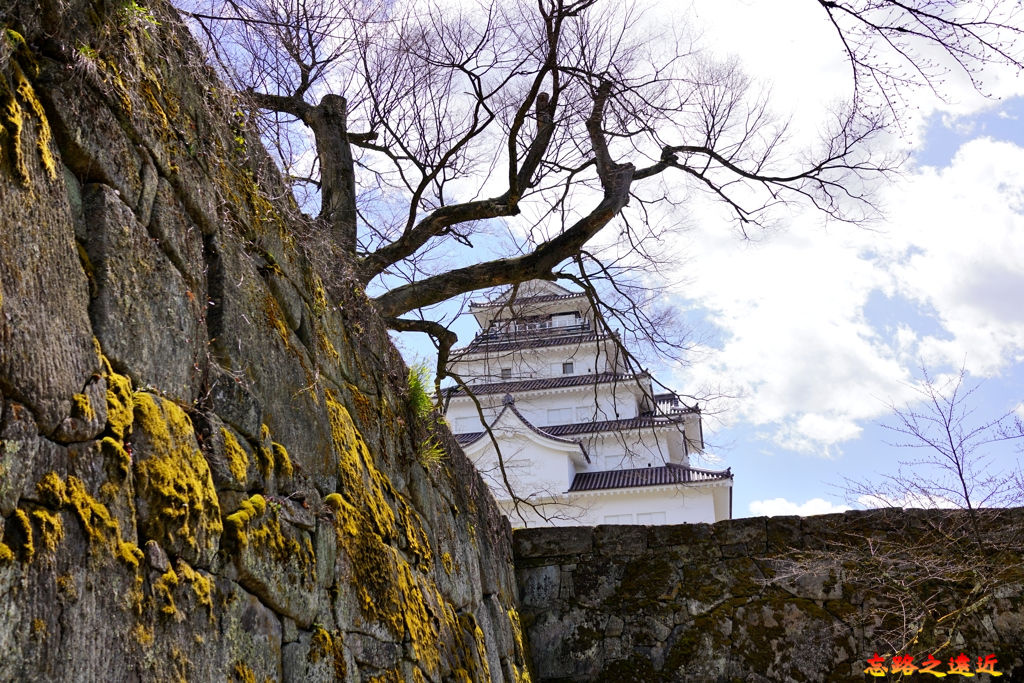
(19, 104)
(83, 407)
(51, 529)
(173, 479)
(163, 592)
(238, 459)
(103, 531)
(120, 402)
(257, 524)
(282, 462)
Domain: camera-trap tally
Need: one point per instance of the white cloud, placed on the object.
(781, 506)
(797, 341)
(966, 229)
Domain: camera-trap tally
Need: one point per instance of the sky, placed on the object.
(816, 331)
(819, 330)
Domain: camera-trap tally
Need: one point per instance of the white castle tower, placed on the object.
(582, 440)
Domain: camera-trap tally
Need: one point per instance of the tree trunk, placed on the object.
(337, 176)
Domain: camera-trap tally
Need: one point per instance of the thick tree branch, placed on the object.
(440, 220)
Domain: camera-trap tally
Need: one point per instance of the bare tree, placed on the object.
(924, 579)
(960, 460)
(436, 126)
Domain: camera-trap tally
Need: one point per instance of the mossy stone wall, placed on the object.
(772, 599)
(208, 463)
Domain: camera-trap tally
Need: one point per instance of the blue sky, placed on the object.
(939, 285)
(813, 329)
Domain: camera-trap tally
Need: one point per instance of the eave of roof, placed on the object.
(484, 345)
(520, 300)
(516, 386)
(641, 422)
(641, 477)
(467, 439)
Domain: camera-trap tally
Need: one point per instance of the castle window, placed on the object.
(650, 518)
(618, 519)
(567, 368)
(506, 373)
(559, 416)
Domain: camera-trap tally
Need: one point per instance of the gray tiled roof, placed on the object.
(645, 476)
(644, 421)
(526, 341)
(520, 300)
(515, 386)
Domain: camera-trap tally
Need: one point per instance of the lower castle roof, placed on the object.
(645, 476)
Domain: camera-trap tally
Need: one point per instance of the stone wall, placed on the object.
(780, 599)
(209, 467)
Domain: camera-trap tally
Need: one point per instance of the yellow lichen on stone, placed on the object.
(163, 590)
(243, 674)
(83, 407)
(481, 651)
(66, 587)
(417, 543)
(45, 135)
(238, 459)
(6, 556)
(521, 675)
(12, 121)
(419, 625)
(257, 524)
(110, 446)
(21, 522)
(282, 462)
(389, 676)
(51, 529)
(364, 406)
(39, 628)
(202, 587)
(14, 92)
(173, 478)
(361, 483)
(102, 529)
(275, 316)
(325, 344)
(120, 401)
(52, 491)
(447, 563)
(143, 635)
(321, 645)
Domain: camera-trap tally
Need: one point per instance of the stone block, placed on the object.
(20, 466)
(310, 659)
(233, 401)
(46, 347)
(174, 494)
(552, 542)
(274, 560)
(539, 586)
(92, 141)
(618, 540)
(148, 320)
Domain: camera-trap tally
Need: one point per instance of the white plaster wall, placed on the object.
(536, 363)
(533, 470)
(634, 448)
(678, 505)
(612, 401)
